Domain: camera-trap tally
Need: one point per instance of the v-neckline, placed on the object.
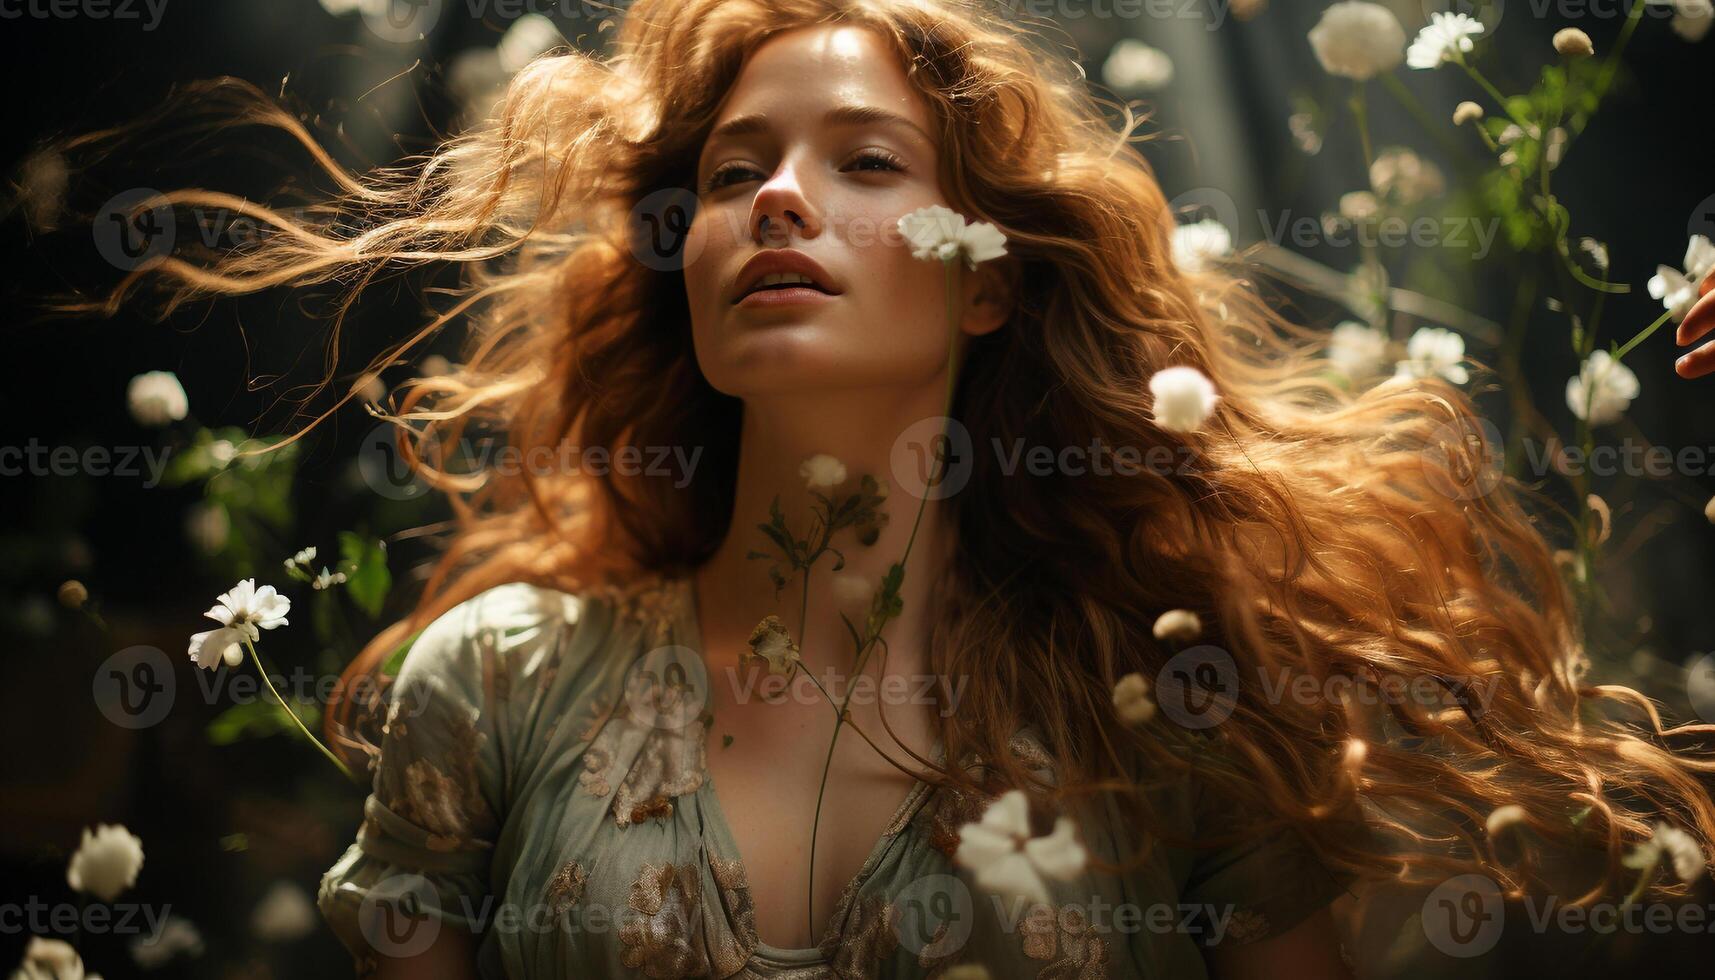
(715, 819)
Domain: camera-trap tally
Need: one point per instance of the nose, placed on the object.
(780, 206)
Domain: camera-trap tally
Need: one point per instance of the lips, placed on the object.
(783, 262)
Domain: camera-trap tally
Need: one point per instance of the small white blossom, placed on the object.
(1357, 351)
(175, 937)
(822, 470)
(1132, 701)
(1691, 18)
(529, 36)
(1597, 251)
(106, 863)
(1008, 861)
(1603, 385)
(1467, 112)
(1447, 37)
(156, 398)
(242, 613)
(208, 527)
(1680, 849)
(285, 913)
(1573, 43)
(1431, 352)
(1197, 245)
(1136, 67)
(1184, 398)
(1678, 290)
(325, 580)
(51, 959)
(936, 233)
(1179, 625)
(1358, 40)
(1503, 818)
(1404, 177)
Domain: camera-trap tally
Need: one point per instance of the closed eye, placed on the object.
(870, 159)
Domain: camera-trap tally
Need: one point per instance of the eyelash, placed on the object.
(883, 156)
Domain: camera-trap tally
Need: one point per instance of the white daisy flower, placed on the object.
(1008, 861)
(1678, 290)
(106, 863)
(156, 398)
(941, 234)
(821, 471)
(1447, 37)
(1358, 40)
(242, 614)
(1184, 398)
(1356, 350)
(1605, 386)
(1679, 848)
(1431, 352)
(1197, 245)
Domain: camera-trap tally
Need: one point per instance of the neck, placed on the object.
(777, 435)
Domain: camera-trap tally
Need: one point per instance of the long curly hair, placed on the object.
(1344, 539)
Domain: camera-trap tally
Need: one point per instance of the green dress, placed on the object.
(541, 782)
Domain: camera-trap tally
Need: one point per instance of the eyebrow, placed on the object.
(851, 114)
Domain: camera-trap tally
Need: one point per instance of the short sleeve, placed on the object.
(431, 818)
(1260, 887)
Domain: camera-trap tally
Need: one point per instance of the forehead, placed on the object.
(819, 66)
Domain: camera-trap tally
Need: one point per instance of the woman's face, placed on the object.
(822, 136)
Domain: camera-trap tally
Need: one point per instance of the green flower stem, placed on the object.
(1645, 876)
(1494, 93)
(1642, 335)
(257, 659)
(951, 268)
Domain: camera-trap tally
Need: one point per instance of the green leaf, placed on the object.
(367, 578)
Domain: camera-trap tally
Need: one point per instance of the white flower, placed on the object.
(1197, 245)
(1603, 384)
(529, 36)
(1597, 251)
(51, 959)
(1007, 860)
(1433, 351)
(1359, 206)
(1180, 625)
(822, 470)
(285, 913)
(1405, 177)
(1446, 38)
(1709, 510)
(175, 936)
(42, 181)
(1503, 818)
(1184, 398)
(1132, 701)
(1466, 112)
(324, 579)
(1680, 848)
(1135, 66)
(1358, 40)
(941, 234)
(208, 527)
(1678, 290)
(106, 863)
(1573, 43)
(1691, 18)
(1357, 351)
(242, 613)
(156, 398)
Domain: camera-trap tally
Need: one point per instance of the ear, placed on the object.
(987, 294)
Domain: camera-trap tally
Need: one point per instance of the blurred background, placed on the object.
(126, 512)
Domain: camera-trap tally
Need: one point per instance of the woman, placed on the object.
(579, 681)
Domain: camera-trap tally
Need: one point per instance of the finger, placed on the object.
(1708, 284)
(1697, 363)
(1697, 323)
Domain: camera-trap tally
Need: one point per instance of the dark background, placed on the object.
(1637, 180)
